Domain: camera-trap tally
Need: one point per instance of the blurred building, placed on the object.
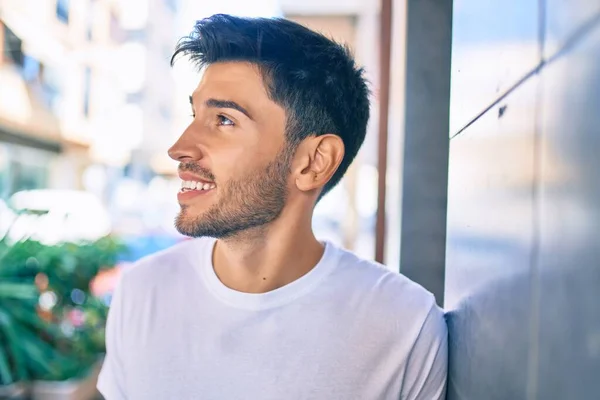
(82, 84)
(45, 100)
(149, 39)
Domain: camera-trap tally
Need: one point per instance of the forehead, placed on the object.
(232, 80)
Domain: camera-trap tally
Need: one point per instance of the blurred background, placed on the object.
(478, 178)
(89, 106)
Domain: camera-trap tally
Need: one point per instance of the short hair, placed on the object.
(314, 79)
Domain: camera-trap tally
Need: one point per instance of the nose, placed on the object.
(186, 148)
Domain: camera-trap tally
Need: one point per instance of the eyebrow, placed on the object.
(216, 103)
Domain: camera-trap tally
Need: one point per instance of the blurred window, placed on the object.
(23, 168)
(31, 68)
(27, 176)
(13, 46)
(87, 83)
(52, 80)
(115, 29)
(89, 30)
(4, 172)
(173, 5)
(165, 112)
(135, 97)
(62, 10)
(135, 35)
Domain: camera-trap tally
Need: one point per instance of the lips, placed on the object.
(193, 186)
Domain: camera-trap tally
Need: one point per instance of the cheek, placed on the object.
(235, 163)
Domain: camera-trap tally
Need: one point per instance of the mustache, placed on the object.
(197, 170)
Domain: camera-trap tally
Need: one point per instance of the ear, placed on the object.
(317, 158)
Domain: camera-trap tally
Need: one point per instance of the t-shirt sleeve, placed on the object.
(111, 381)
(427, 368)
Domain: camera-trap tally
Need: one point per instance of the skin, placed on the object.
(245, 157)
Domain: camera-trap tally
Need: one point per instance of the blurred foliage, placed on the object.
(51, 326)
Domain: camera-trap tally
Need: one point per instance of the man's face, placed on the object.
(234, 162)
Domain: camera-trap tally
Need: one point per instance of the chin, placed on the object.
(195, 226)
(185, 224)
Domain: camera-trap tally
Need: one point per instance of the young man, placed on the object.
(256, 307)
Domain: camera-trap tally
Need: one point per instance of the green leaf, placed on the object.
(37, 353)
(5, 375)
(25, 291)
(27, 315)
(13, 340)
(33, 348)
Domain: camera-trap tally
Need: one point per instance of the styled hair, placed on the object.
(314, 79)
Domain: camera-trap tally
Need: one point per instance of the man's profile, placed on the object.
(255, 307)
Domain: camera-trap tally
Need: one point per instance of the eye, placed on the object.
(224, 121)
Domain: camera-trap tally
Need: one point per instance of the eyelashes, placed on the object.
(222, 120)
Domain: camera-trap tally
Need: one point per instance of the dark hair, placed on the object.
(314, 79)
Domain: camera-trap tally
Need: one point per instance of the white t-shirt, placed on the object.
(348, 329)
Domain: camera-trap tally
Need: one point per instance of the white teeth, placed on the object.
(193, 185)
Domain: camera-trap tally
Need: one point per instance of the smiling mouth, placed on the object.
(188, 186)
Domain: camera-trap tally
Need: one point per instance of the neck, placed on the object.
(267, 258)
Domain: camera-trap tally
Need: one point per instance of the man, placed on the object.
(256, 307)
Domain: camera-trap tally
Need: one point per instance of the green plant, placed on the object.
(51, 326)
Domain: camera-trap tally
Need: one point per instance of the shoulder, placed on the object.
(382, 284)
(171, 265)
(390, 300)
